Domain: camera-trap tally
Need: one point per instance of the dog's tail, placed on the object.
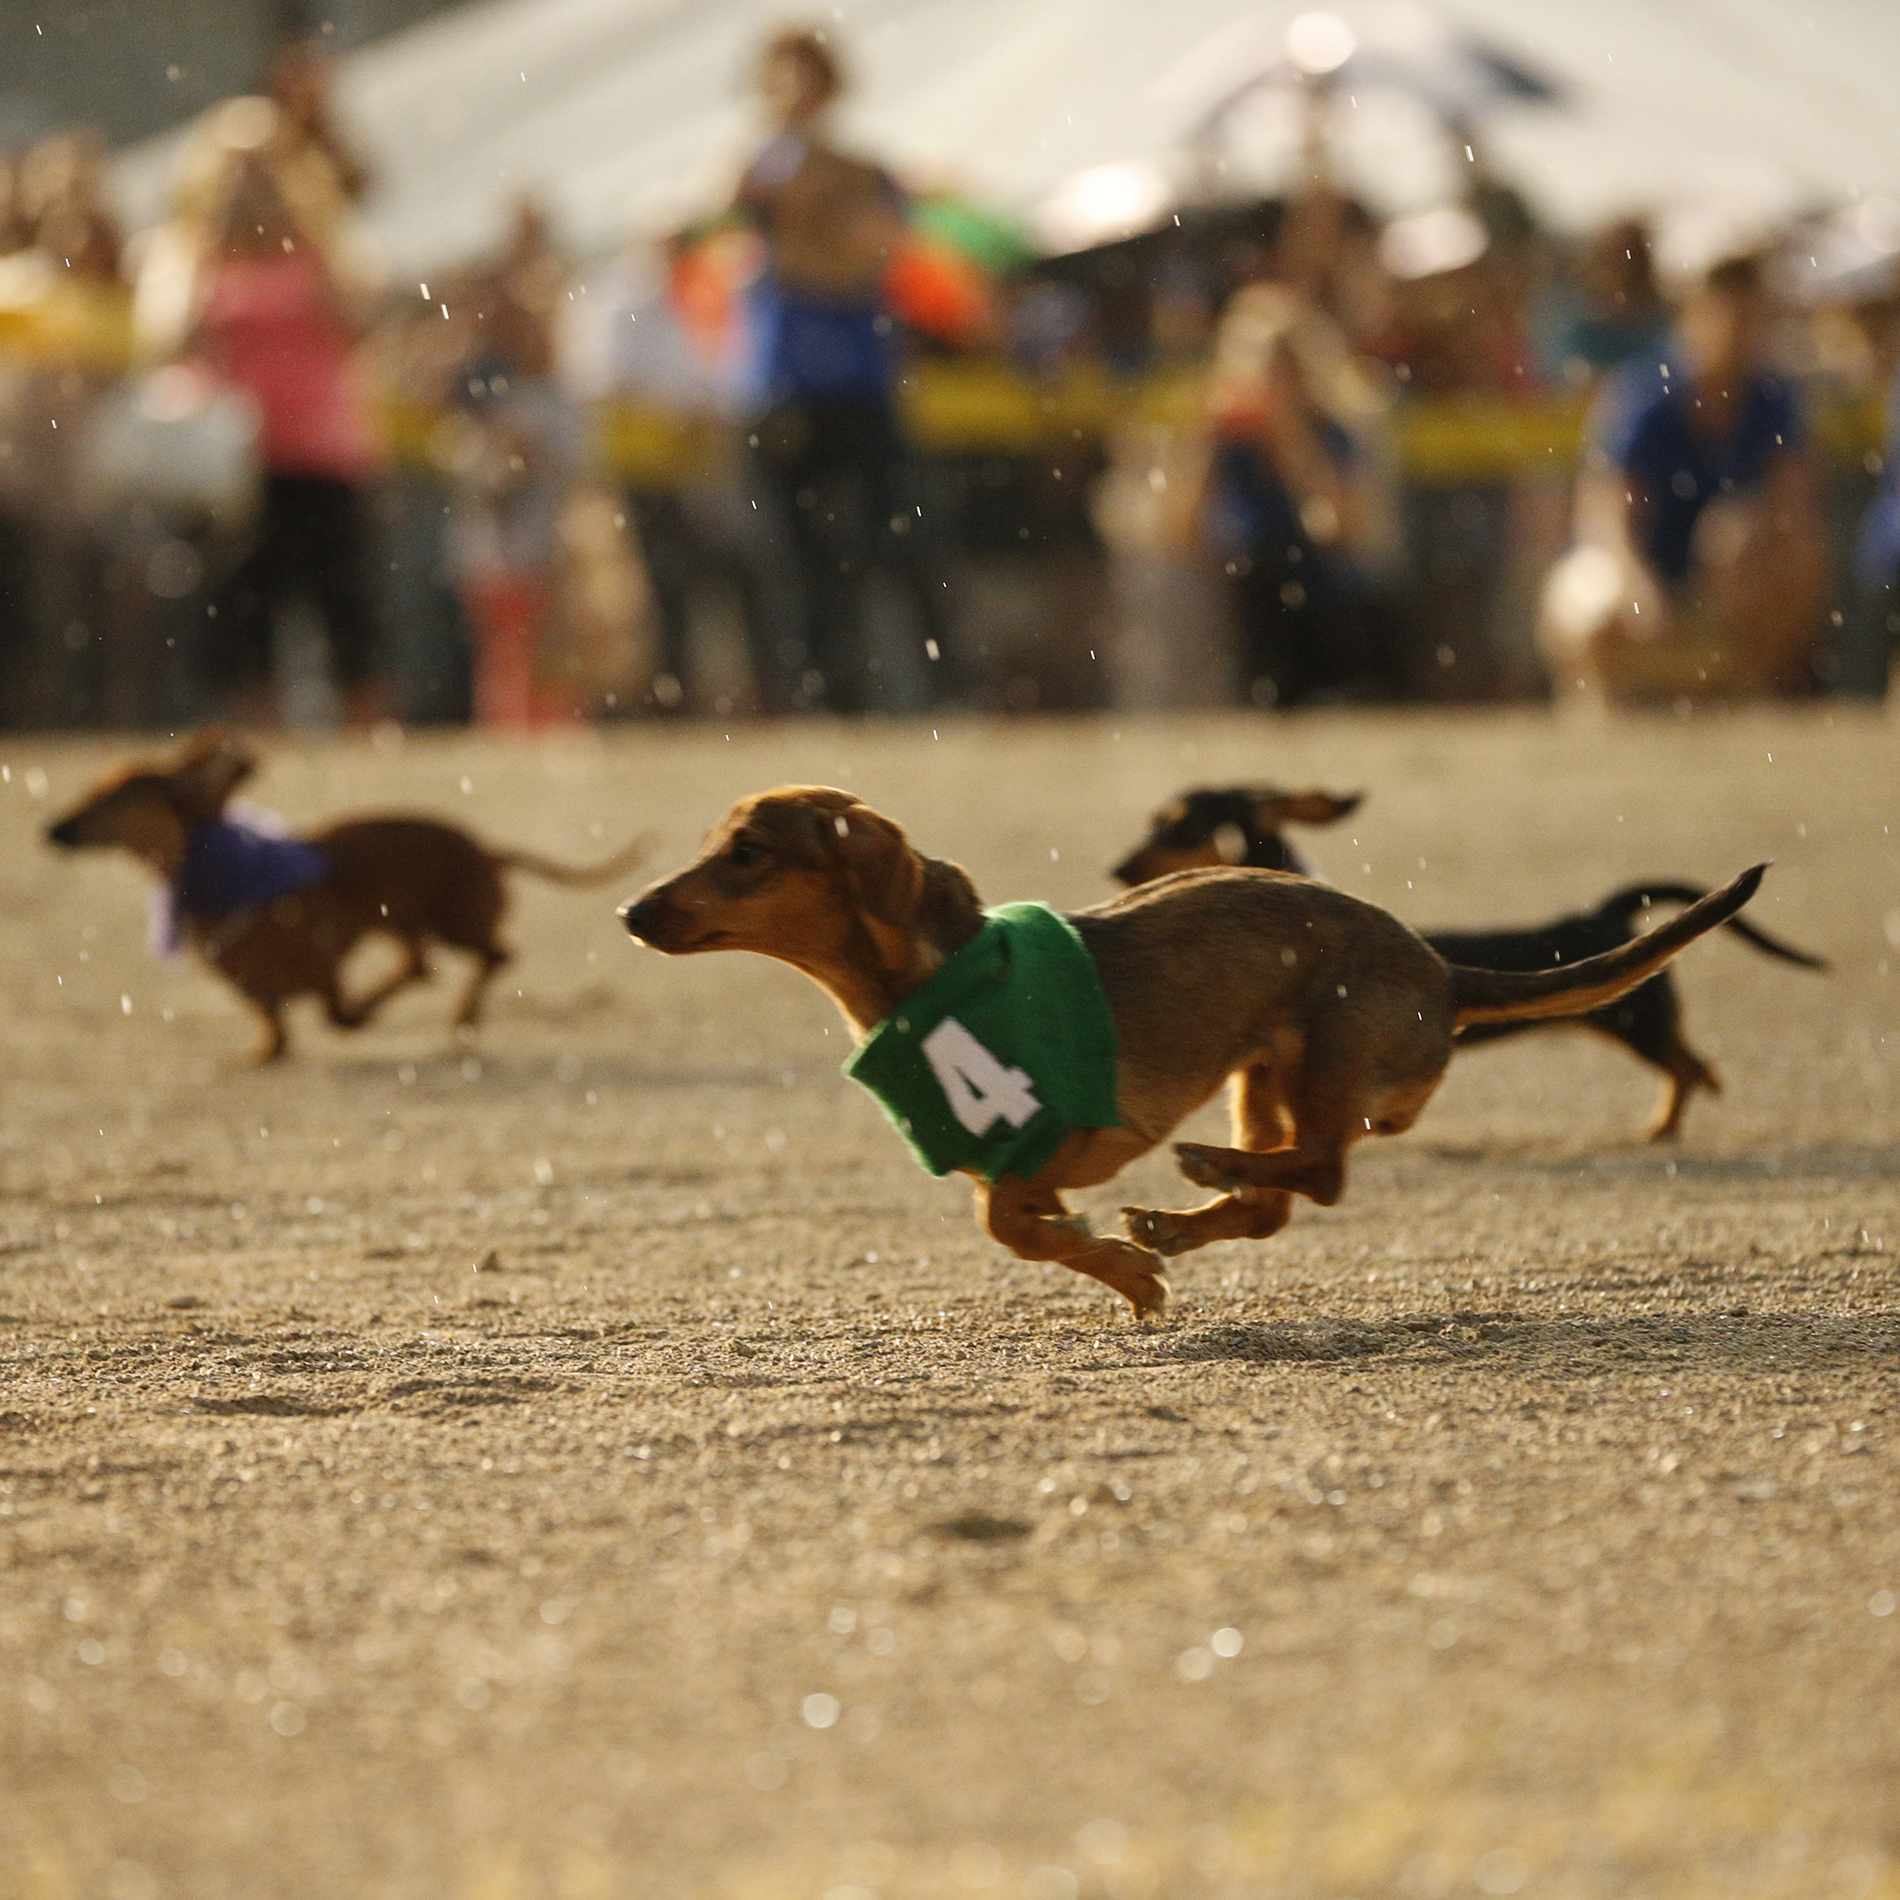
(1632, 898)
(1574, 989)
(624, 859)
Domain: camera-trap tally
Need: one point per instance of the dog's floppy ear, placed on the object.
(209, 770)
(949, 912)
(883, 872)
(1275, 808)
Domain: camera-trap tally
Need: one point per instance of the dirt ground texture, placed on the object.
(593, 1461)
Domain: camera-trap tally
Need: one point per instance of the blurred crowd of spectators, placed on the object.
(838, 447)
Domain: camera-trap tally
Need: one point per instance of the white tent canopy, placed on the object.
(628, 113)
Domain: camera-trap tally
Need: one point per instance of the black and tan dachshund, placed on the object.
(1240, 825)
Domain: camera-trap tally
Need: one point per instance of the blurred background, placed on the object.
(527, 362)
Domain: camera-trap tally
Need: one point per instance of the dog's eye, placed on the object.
(743, 855)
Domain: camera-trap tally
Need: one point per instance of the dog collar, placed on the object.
(1004, 1052)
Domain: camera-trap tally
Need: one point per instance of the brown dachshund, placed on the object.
(1331, 1019)
(277, 917)
(1240, 825)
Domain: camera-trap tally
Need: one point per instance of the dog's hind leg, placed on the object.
(470, 923)
(1687, 1073)
(1648, 1023)
(1261, 1125)
(275, 1042)
(489, 959)
(1033, 1224)
(1335, 1104)
(1316, 1169)
(353, 1012)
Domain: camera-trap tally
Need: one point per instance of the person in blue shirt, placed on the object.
(1873, 618)
(825, 437)
(1703, 560)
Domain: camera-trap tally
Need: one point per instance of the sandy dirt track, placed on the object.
(596, 1463)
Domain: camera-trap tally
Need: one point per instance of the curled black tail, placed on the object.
(1574, 989)
(1623, 905)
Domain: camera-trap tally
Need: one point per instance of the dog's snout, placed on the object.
(641, 915)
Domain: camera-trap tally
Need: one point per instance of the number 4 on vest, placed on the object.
(977, 1087)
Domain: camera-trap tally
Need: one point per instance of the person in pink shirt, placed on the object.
(273, 320)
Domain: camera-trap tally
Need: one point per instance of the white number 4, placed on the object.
(977, 1087)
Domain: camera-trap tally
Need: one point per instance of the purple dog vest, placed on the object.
(231, 868)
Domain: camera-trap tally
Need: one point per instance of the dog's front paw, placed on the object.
(1134, 1272)
(1148, 1293)
(1155, 1229)
(1206, 1167)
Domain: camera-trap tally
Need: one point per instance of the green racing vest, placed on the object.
(1003, 1053)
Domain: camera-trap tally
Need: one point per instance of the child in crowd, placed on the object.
(515, 456)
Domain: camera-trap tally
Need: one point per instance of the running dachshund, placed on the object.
(278, 916)
(1241, 825)
(1331, 1019)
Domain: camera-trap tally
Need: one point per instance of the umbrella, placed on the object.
(1851, 256)
(939, 291)
(941, 281)
(1353, 48)
(986, 237)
